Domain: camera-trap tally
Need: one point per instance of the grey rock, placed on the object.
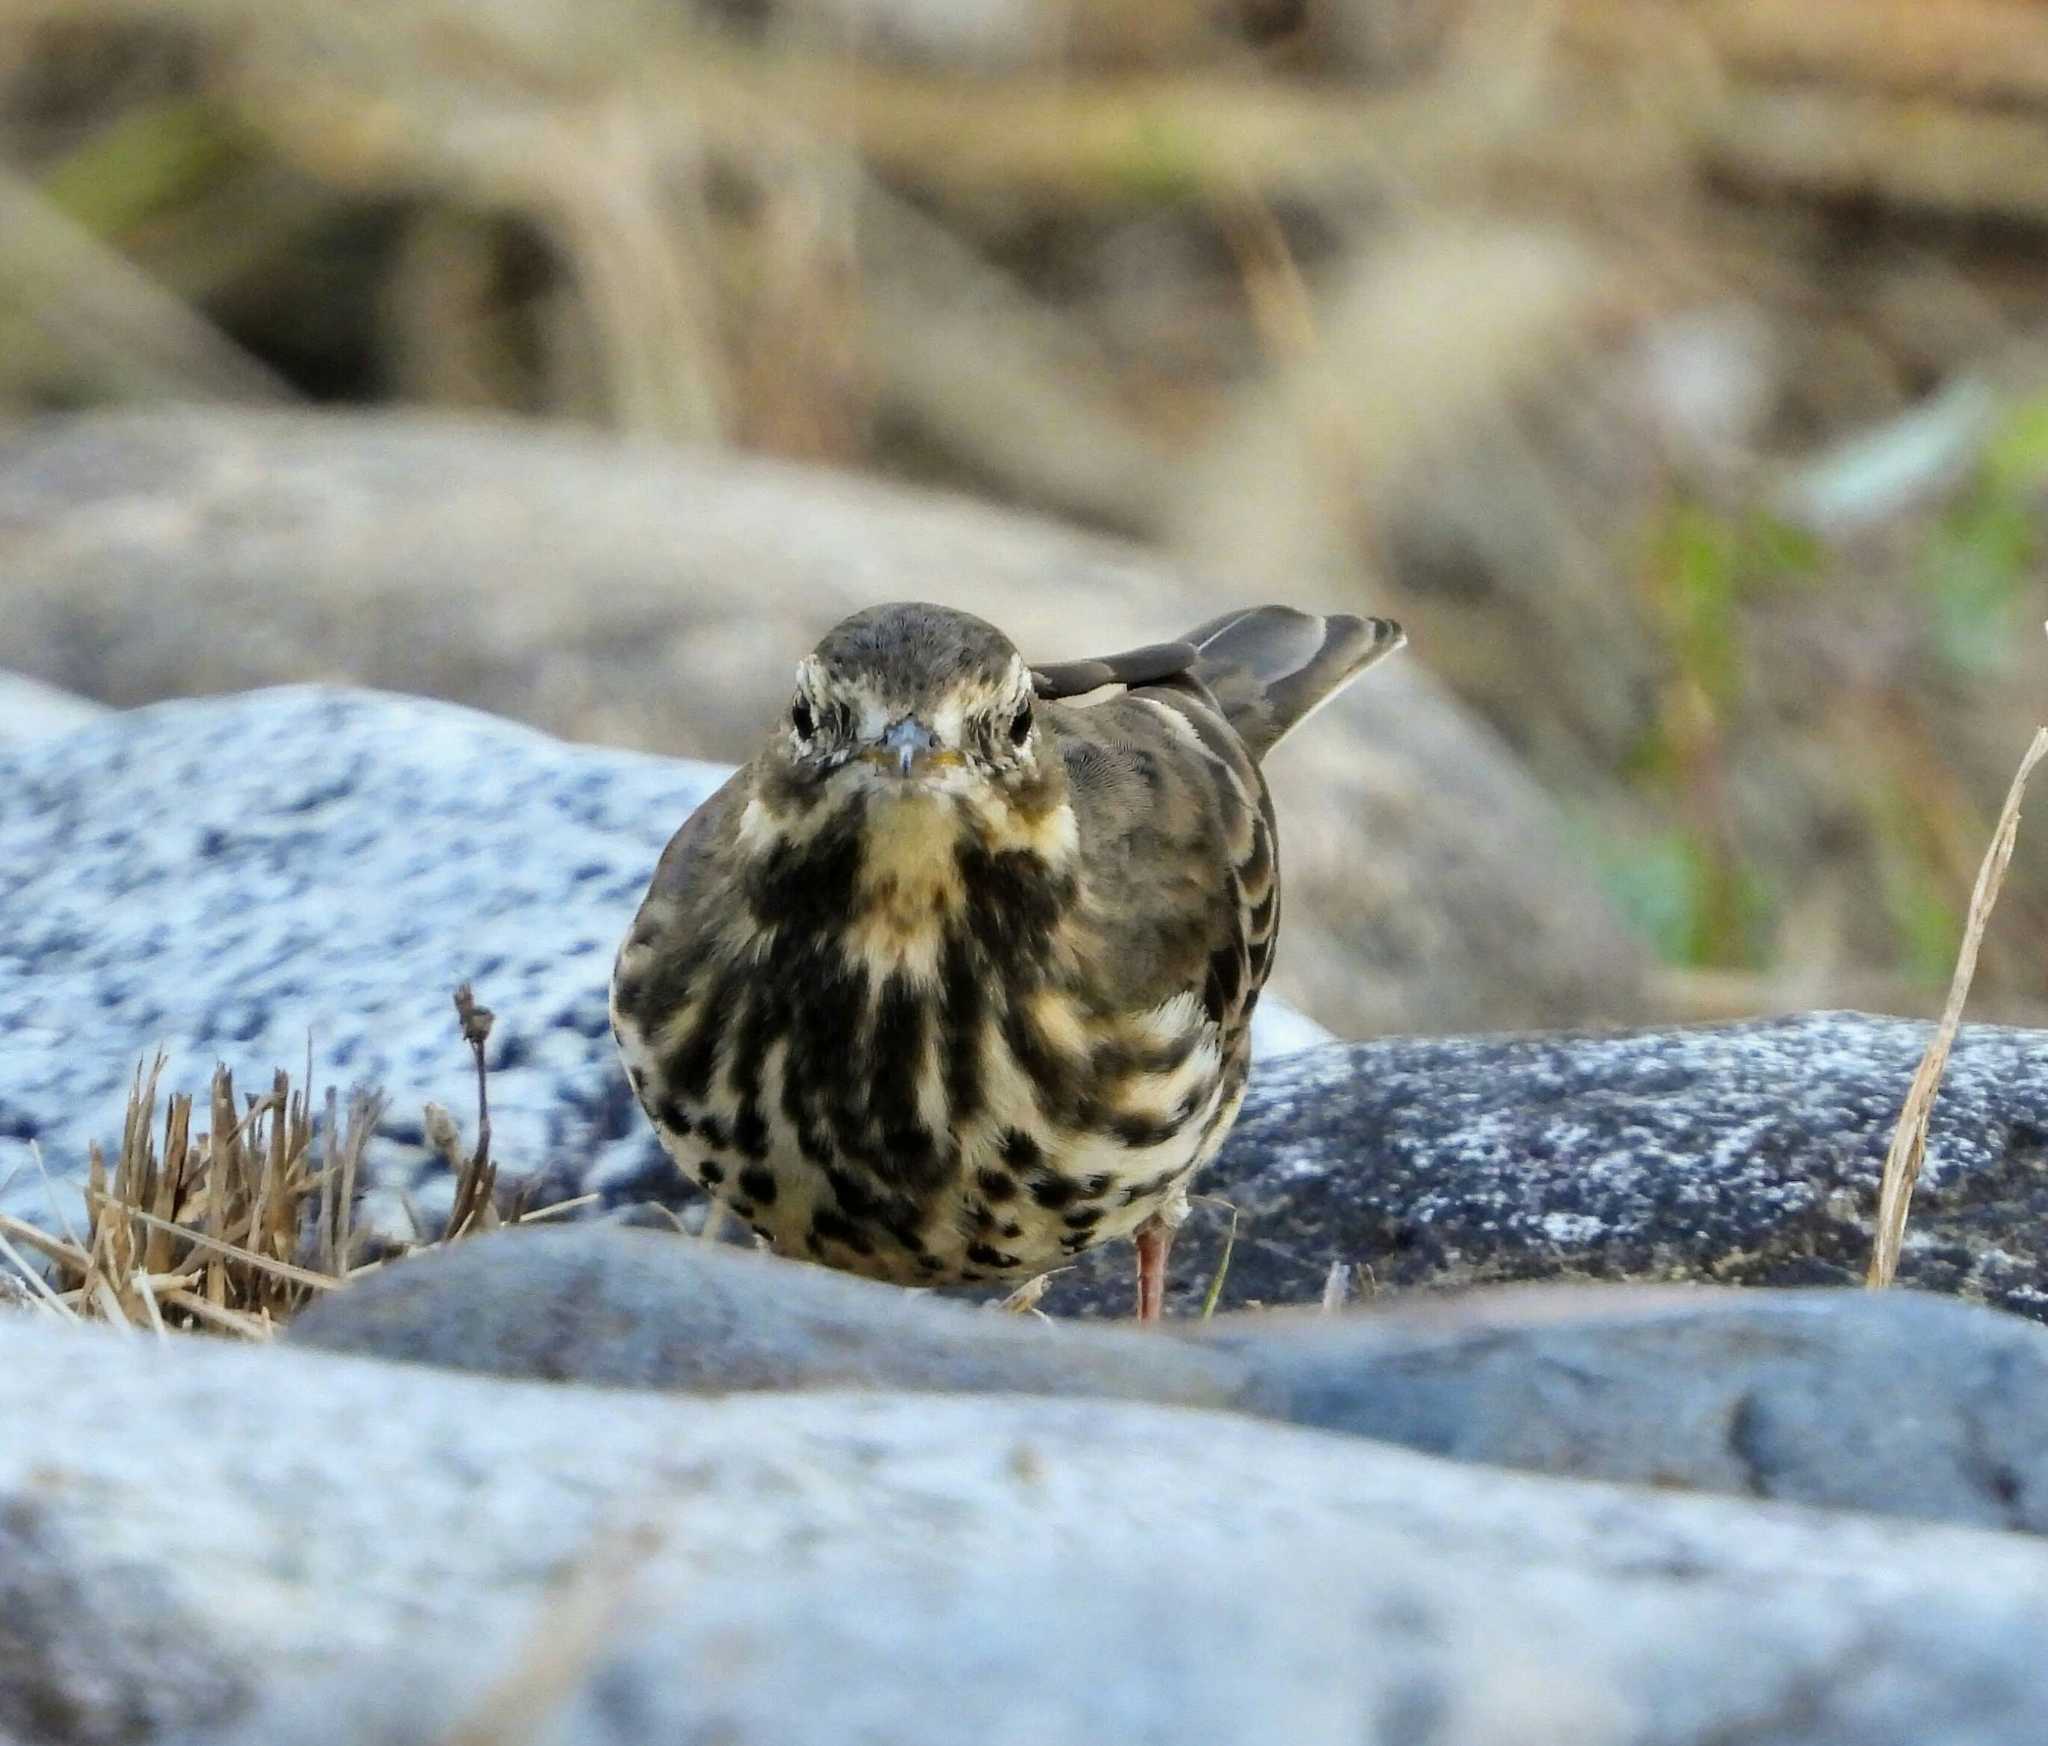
(229, 879)
(90, 1665)
(370, 1553)
(643, 1309)
(1894, 1403)
(659, 598)
(1747, 1154)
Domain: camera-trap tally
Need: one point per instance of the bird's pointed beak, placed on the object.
(907, 743)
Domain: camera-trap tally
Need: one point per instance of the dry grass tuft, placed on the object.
(233, 1230)
(1909, 1139)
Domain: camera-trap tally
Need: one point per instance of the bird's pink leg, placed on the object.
(1154, 1239)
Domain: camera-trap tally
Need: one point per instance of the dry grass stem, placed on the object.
(1336, 1288)
(51, 1248)
(572, 1637)
(220, 1247)
(476, 1177)
(1214, 1295)
(560, 1209)
(1909, 1139)
(39, 1288)
(1024, 1301)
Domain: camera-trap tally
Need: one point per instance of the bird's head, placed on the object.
(913, 746)
(913, 701)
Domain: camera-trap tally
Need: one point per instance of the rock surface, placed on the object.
(1894, 1403)
(1746, 1154)
(221, 1545)
(31, 710)
(659, 598)
(224, 877)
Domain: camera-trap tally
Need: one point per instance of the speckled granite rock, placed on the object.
(1892, 1402)
(222, 877)
(1748, 1154)
(229, 1546)
(31, 710)
(659, 598)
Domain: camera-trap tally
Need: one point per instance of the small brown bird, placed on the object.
(955, 978)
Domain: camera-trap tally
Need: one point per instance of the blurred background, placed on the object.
(1672, 368)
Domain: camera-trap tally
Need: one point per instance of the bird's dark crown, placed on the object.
(913, 650)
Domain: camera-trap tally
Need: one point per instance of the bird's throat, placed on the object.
(914, 887)
(907, 891)
(910, 855)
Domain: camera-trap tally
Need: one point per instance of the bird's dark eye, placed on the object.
(801, 718)
(1020, 725)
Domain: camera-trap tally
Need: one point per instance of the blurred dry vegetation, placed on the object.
(1673, 367)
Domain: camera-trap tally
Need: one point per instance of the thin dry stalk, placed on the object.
(476, 1180)
(108, 1303)
(365, 1111)
(58, 1214)
(561, 1208)
(329, 1232)
(145, 1288)
(39, 1287)
(223, 1251)
(211, 1315)
(1025, 1299)
(1336, 1288)
(54, 1248)
(1214, 1295)
(1909, 1139)
(569, 1641)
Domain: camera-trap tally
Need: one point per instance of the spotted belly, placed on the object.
(1007, 1148)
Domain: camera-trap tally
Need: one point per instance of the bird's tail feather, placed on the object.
(1271, 667)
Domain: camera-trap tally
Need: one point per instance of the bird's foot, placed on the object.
(1154, 1239)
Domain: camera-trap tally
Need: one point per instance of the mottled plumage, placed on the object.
(954, 979)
